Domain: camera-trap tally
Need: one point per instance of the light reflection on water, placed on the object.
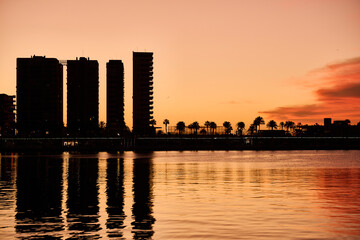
(182, 195)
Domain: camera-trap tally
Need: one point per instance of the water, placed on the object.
(182, 195)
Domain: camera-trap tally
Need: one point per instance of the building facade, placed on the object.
(142, 93)
(115, 96)
(39, 90)
(82, 97)
(7, 115)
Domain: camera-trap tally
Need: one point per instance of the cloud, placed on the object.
(347, 91)
(337, 90)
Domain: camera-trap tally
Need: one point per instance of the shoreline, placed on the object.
(148, 144)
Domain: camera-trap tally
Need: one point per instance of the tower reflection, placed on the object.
(82, 201)
(143, 198)
(38, 198)
(115, 197)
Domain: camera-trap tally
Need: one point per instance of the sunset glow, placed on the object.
(213, 60)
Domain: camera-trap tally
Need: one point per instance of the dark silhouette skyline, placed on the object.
(43, 76)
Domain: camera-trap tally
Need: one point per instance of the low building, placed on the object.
(7, 115)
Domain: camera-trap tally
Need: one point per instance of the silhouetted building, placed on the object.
(341, 123)
(142, 92)
(327, 126)
(115, 96)
(39, 96)
(327, 122)
(82, 96)
(7, 115)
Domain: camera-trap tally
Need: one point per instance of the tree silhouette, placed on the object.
(190, 126)
(258, 121)
(203, 131)
(196, 126)
(166, 122)
(289, 124)
(272, 124)
(240, 127)
(180, 126)
(207, 125)
(282, 124)
(228, 127)
(213, 127)
(252, 129)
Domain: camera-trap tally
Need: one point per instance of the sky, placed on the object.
(214, 60)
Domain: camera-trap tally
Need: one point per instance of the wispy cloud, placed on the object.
(337, 89)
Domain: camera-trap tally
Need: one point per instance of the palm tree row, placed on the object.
(272, 125)
(240, 126)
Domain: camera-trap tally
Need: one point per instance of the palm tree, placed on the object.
(240, 127)
(289, 124)
(190, 126)
(282, 124)
(258, 121)
(213, 126)
(166, 122)
(180, 126)
(207, 125)
(272, 124)
(196, 126)
(228, 127)
(252, 129)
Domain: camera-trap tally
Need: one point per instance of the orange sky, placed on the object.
(218, 60)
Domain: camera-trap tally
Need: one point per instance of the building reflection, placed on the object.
(39, 196)
(115, 197)
(82, 199)
(7, 182)
(143, 198)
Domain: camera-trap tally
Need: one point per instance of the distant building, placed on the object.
(142, 93)
(39, 96)
(7, 115)
(341, 123)
(327, 122)
(115, 96)
(82, 97)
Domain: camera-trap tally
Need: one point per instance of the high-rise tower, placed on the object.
(39, 84)
(115, 96)
(142, 92)
(82, 96)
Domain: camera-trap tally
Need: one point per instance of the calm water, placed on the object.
(182, 195)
